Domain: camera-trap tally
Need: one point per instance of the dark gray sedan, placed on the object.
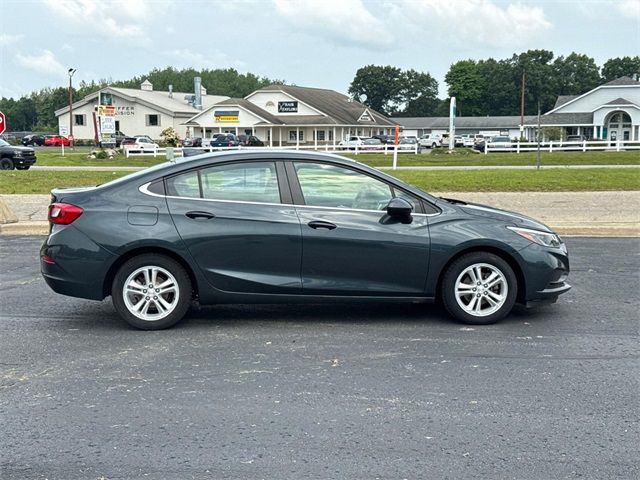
(275, 226)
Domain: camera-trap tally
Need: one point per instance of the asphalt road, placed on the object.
(290, 392)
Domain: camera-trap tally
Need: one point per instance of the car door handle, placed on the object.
(196, 215)
(321, 224)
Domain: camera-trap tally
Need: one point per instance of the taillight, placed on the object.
(64, 213)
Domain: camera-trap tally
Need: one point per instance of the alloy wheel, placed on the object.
(151, 293)
(481, 289)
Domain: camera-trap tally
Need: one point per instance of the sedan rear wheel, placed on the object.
(151, 292)
(479, 288)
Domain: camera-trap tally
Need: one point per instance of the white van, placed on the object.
(430, 140)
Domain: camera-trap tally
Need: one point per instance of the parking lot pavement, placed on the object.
(385, 391)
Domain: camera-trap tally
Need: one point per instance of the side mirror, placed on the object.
(399, 208)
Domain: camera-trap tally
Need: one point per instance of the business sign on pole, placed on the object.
(107, 129)
(107, 125)
(3, 123)
(63, 130)
(106, 110)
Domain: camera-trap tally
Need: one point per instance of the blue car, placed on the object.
(225, 140)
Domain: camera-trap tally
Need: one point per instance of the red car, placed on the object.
(56, 141)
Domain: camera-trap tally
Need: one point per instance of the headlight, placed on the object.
(545, 239)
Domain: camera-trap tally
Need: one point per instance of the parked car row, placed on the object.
(378, 142)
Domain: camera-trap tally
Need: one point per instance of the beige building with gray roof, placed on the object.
(283, 115)
(142, 111)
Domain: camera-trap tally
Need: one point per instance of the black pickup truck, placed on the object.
(20, 158)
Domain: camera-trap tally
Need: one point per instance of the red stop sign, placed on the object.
(3, 123)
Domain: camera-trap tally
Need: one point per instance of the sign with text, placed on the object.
(63, 130)
(366, 116)
(225, 116)
(287, 107)
(106, 110)
(107, 125)
(3, 123)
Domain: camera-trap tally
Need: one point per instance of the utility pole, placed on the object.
(522, 104)
(71, 72)
(538, 151)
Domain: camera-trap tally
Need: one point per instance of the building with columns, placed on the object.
(608, 112)
(282, 115)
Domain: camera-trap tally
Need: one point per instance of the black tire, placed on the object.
(183, 299)
(448, 288)
(6, 164)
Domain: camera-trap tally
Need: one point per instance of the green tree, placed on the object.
(575, 74)
(540, 84)
(381, 87)
(500, 93)
(467, 84)
(620, 67)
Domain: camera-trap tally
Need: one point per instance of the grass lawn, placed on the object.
(78, 158)
(21, 181)
(438, 158)
(34, 181)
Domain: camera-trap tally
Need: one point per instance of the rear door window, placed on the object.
(242, 182)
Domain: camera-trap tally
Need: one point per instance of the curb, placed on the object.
(593, 230)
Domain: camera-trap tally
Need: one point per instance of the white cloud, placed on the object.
(7, 39)
(117, 19)
(347, 22)
(44, 63)
(482, 22)
(183, 57)
(629, 8)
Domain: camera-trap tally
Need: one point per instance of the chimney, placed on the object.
(170, 91)
(197, 88)
(147, 86)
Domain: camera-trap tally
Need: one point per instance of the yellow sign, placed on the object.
(227, 116)
(106, 110)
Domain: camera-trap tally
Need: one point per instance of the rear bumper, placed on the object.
(76, 266)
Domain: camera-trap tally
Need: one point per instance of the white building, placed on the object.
(608, 112)
(290, 115)
(137, 112)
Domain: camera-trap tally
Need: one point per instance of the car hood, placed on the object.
(17, 148)
(479, 210)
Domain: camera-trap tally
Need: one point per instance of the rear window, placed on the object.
(241, 182)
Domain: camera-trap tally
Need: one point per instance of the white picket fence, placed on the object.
(356, 149)
(558, 145)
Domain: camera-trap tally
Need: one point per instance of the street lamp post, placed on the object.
(71, 72)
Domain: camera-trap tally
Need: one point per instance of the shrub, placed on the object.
(170, 137)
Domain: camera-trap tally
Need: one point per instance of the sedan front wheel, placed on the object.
(479, 288)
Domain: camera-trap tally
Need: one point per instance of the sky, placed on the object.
(314, 43)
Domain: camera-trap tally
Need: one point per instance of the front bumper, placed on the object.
(24, 161)
(545, 271)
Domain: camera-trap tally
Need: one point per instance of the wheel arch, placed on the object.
(113, 269)
(500, 252)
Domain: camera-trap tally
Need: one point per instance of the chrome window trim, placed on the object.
(145, 190)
